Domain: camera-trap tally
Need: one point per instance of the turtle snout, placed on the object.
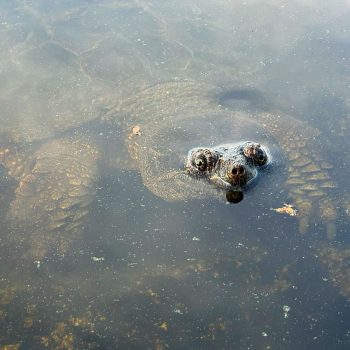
(238, 175)
(238, 170)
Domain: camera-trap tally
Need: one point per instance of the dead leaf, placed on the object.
(286, 209)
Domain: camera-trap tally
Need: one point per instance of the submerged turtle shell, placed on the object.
(60, 65)
(60, 68)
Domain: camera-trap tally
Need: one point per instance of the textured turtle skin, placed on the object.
(55, 183)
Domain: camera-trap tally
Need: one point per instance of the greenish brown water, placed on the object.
(140, 272)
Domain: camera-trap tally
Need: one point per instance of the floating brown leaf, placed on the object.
(286, 209)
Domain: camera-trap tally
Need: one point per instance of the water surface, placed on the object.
(144, 273)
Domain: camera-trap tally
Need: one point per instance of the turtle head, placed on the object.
(228, 166)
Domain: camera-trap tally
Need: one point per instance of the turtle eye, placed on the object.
(201, 162)
(256, 154)
(238, 170)
(261, 157)
(204, 159)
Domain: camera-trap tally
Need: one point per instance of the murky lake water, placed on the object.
(92, 256)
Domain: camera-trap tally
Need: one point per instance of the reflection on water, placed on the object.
(92, 256)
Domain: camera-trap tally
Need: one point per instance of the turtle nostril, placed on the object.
(238, 170)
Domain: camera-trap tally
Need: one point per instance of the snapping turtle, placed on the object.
(177, 116)
(63, 62)
(60, 66)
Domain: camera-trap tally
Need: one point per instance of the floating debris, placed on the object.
(136, 130)
(96, 259)
(178, 311)
(264, 334)
(286, 209)
(195, 239)
(164, 326)
(285, 309)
